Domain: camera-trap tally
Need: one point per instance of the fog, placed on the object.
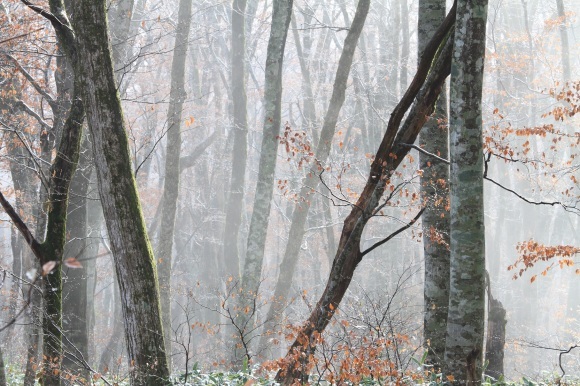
(212, 262)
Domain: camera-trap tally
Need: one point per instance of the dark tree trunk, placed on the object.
(495, 342)
(134, 260)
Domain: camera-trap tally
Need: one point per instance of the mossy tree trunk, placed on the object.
(466, 314)
(134, 260)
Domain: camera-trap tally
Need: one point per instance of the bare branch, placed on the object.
(51, 101)
(35, 246)
(395, 233)
(34, 114)
(421, 150)
(20, 36)
(35, 158)
(55, 21)
(568, 208)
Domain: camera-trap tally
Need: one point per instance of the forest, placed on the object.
(292, 192)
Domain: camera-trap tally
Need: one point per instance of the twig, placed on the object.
(54, 20)
(567, 208)
(420, 150)
(20, 36)
(402, 229)
(28, 300)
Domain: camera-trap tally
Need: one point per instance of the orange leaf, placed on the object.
(48, 267)
(72, 262)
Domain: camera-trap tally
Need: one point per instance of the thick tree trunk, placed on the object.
(134, 260)
(434, 191)
(177, 97)
(425, 87)
(466, 315)
(312, 180)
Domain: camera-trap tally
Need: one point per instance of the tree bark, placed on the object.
(134, 260)
(466, 314)
(311, 181)
(496, 330)
(434, 191)
(425, 87)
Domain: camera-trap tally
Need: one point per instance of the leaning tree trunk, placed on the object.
(466, 315)
(434, 191)
(134, 260)
(311, 180)
(177, 97)
(425, 87)
(250, 278)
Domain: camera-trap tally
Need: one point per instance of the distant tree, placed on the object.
(424, 90)
(311, 181)
(177, 96)
(252, 270)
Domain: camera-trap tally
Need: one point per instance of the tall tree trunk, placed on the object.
(134, 260)
(251, 273)
(177, 97)
(466, 315)
(240, 132)
(425, 88)
(434, 191)
(311, 180)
